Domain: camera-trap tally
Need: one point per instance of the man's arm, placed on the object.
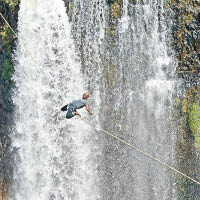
(88, 109)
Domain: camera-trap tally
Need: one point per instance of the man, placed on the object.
(71, 108)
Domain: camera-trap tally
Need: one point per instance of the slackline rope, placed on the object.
(94, 125)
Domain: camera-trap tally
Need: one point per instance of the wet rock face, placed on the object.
(187, 38)
(9, 9)
(186, 32)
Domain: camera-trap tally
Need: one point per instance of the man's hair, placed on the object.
(86, 94)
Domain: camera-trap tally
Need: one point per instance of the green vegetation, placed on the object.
(111, 30)
(184, 106)
(12, 3)
(7, 38)
(116, 10)
(167, 4)
(71, 9)
(114, 16)
(186, 45)
(191, 109)
(194, 123)
(8, 70)
(7, 35)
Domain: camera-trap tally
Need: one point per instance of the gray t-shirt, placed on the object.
(79, 103)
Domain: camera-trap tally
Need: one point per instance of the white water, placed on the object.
(149, 72)
(137, 87)
(54, 158)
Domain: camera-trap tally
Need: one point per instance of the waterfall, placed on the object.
(149, 84)
(135, 69)
(54, 158)
(127, 65)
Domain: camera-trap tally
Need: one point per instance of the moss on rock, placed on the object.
(12, 3)
(184, 105)
(185, 32)
(8, 70)
(71, 9)
(7, 38)
(191, 110)
(116, 11)
(7, 35)
(194, 122)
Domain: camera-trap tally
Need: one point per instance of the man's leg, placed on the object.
(70, 114)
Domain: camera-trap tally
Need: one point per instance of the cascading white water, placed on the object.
(150, 87)
(54, 158)
(137, 86)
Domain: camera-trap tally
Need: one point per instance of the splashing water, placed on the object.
(54, 158)
(137, 86)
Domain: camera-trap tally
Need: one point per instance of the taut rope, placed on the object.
(94, 125)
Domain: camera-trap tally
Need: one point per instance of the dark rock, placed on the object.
(6, 106)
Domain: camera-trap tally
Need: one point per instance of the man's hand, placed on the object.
(77, 113)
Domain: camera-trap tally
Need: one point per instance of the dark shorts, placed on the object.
(70, 111)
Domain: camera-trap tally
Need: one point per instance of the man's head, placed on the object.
(85, 95)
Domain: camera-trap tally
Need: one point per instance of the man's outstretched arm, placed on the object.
(88, 109)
